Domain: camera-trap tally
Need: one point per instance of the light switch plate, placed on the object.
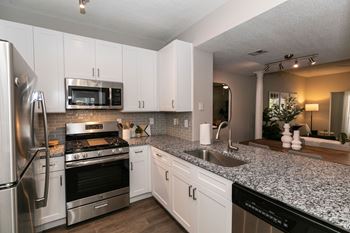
(151, 121)
(186, 123)
(176, 121)
(200, 106)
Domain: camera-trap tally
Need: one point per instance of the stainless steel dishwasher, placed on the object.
(256, 213)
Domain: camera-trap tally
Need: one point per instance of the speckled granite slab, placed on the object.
(318, 188)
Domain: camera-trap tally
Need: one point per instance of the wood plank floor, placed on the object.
(146, 216)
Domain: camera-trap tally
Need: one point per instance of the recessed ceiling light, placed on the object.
(258, 52)
(296, 65)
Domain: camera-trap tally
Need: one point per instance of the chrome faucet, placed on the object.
(230, 148)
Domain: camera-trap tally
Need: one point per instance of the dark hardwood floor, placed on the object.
(146, 216)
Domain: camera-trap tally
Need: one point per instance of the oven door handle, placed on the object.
(74, 164)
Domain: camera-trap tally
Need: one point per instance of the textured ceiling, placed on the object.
(297, 26)
(157, 19)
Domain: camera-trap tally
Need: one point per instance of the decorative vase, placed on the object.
(126, 134)
(296, 143)
(286, 138)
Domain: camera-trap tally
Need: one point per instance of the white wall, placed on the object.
(228, 16)
(202, 90)
(243, 104)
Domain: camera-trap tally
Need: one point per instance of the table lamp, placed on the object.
(311, 108)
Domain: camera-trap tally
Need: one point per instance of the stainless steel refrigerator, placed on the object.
(21, 106)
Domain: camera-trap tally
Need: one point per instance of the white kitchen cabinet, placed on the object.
(140, 171)
(140, 79)
(49, 67)
(79, 57)
(21, 36)
(161, 183)
(199, 200)
(88, 58)
(183, 205)
(56, 203)
(109, 61)
(175, 76)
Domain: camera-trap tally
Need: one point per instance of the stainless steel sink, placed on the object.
(215, 157)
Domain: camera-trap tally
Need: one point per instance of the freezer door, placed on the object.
(18, 205)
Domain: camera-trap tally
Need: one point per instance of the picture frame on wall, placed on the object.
(274, 98)
(279, 98)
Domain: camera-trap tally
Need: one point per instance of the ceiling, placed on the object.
(296, 26)
(324, 69)
(160, 20)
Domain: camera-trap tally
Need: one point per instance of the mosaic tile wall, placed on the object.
(163, 122)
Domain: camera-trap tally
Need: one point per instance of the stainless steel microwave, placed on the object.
(93, 94)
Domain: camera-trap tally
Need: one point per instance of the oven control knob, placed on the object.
(76, 156)
(85, 155)
(113, 151)
(120, 149)
(99, 153)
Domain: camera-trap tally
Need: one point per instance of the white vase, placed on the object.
(286, 138)
(296, 143)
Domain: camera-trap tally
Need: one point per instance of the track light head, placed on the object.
(296, 64)
(312, 61)
(267, 68)
(281, 66)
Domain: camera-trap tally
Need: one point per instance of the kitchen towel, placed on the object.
(205, 134)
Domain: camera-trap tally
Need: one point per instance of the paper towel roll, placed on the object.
(205, 134)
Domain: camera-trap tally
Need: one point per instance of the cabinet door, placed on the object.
(79, 57)
(148, 79)
(56, 204)
(140, 180)
(183, 206)
(132, 100)
(21, 36)
(213, 213)
(48, 55)
(109, 61)
(166, 78)
(161, 183)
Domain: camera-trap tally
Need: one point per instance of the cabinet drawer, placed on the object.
(214, 183)
(160, 156)
(56, 164)
(138, 150)
(182, 167)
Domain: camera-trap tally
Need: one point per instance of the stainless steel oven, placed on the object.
(93, 94)
(96, 186)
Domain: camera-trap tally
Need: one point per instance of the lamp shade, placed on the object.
(311, 107)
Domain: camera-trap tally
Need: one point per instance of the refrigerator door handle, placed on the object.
(38, 96)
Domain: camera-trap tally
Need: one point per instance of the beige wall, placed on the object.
(318, 90)
(243, 104)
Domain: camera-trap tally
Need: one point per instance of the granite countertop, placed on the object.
(55, 151)
(318, 188)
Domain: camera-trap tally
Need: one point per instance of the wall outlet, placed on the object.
(186, 123)
(151, 121)
(176, 121)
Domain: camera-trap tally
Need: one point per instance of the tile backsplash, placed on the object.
(163, 122)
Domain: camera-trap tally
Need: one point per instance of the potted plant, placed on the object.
(271, 128)
(138, 131)
(286, 113)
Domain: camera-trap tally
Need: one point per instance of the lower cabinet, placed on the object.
(56, 203)
(140, 171)
(199, 200)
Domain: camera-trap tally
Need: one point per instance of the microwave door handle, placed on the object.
(38, 96)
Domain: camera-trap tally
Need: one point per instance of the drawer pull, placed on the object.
(51, 165)
(194, 194)
(189, 191)
(166, 175)
(138, 152)
(159, 155)
(101, 206)
(131, 166)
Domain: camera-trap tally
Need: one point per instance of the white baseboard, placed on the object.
(50, 225)
(140, 197)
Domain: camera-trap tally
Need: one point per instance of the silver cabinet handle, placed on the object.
(51, 165)
(138, 152)
(38, 96)
(143, 104)
(131, 166)
(101, 206)
(159, 155)
(98, 72)
(93, 72)
(189, 191)
(194, 194)
(166, 175)
(61, 182)
(173, 103)
(139, 104)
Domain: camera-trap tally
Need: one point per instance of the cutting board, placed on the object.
(97, 142)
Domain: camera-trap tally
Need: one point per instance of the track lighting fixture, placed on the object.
(296, 64)
(82, 4)
(267, 67)
(312, 61)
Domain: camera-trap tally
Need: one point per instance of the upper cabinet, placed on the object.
(92, 59)
(21, 36)
(175, 74)
(140, 79)
(49, 67)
